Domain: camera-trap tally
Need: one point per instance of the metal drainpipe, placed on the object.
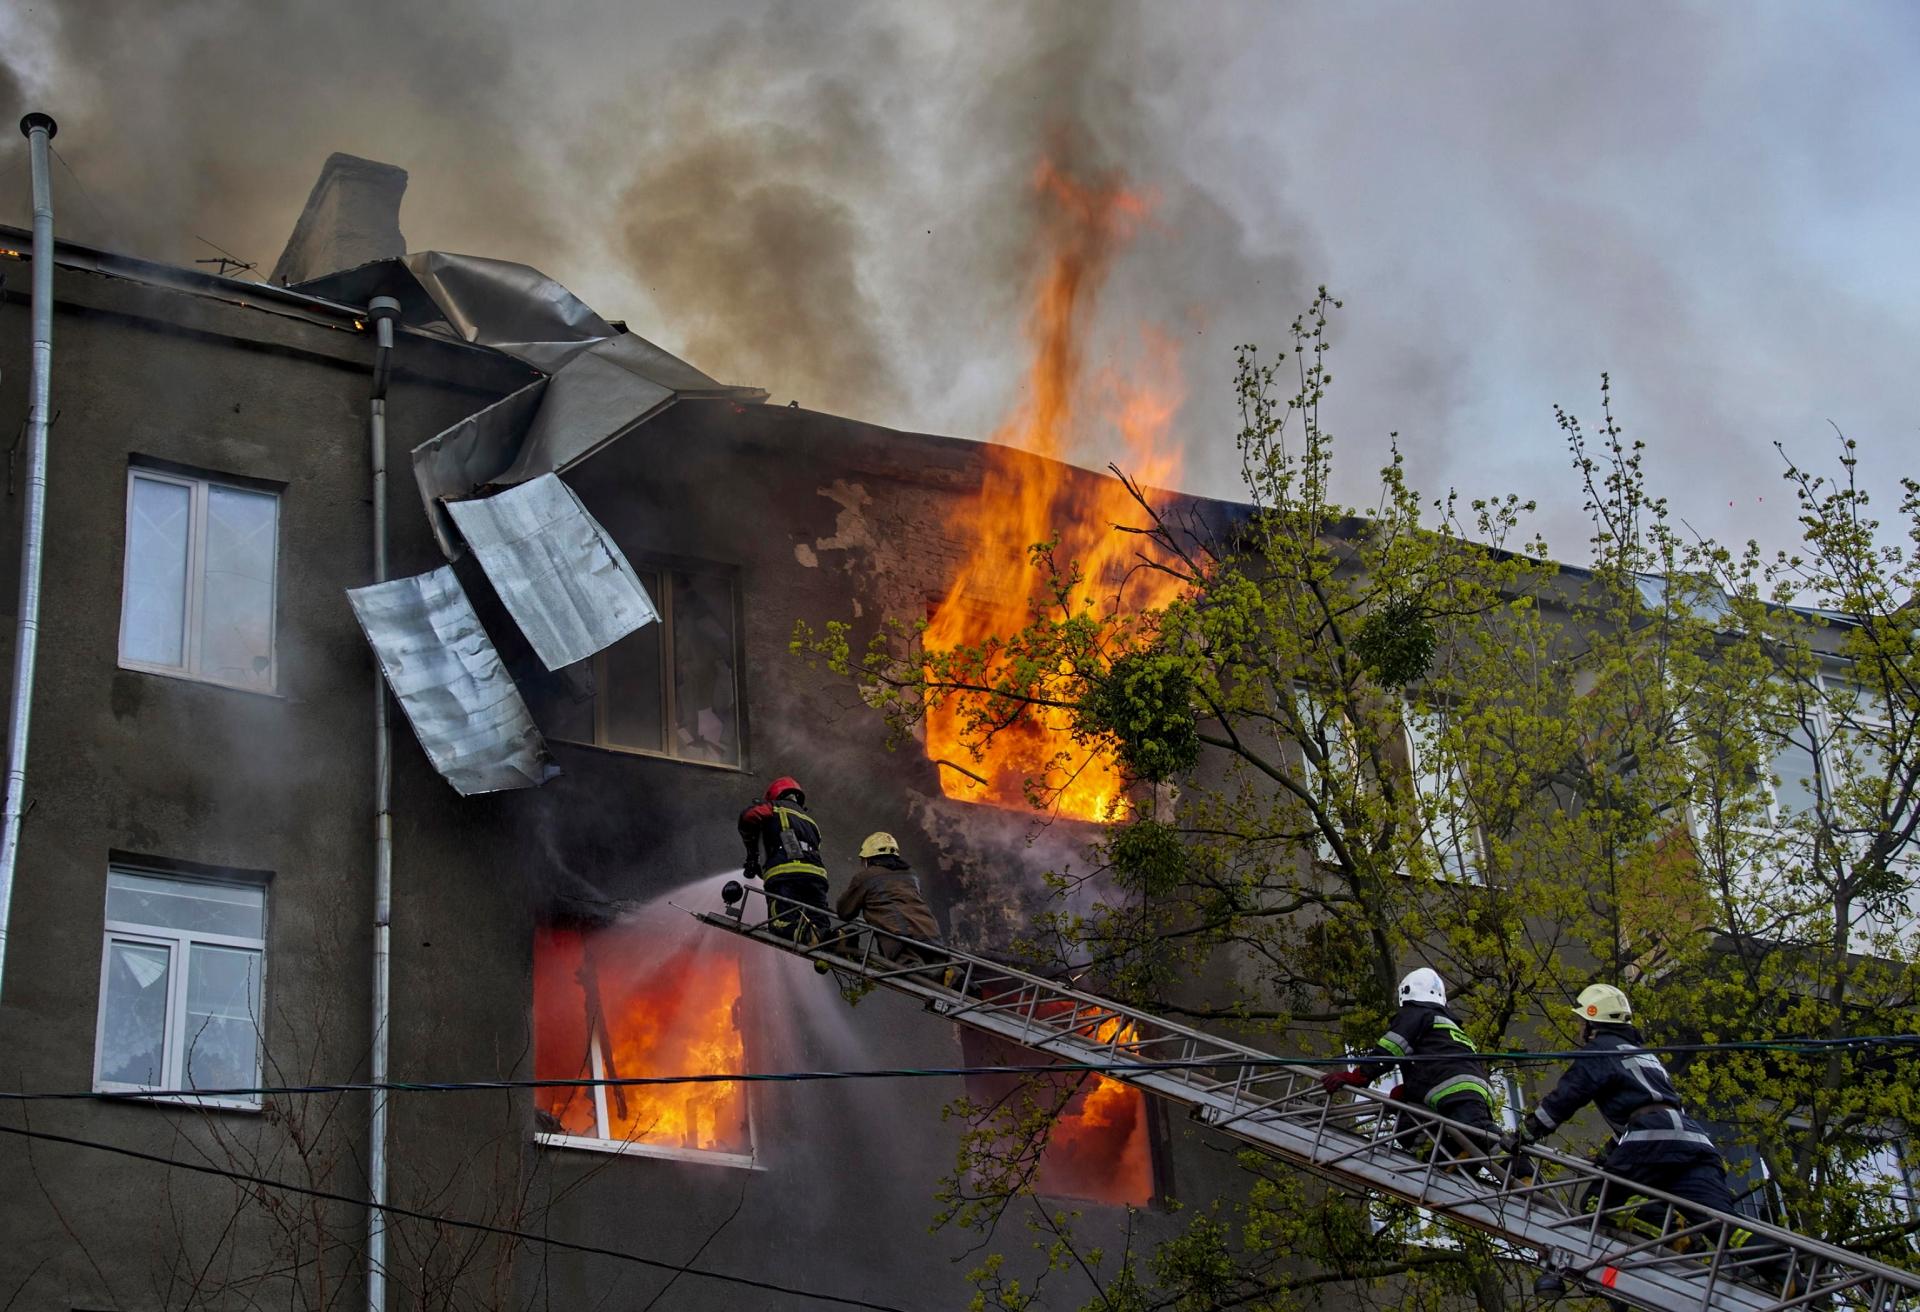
(38, 130)
(383, 310)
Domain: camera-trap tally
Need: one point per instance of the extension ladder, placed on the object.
(1367, 1143)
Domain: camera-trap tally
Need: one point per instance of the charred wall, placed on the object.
(817, 518)
(821, 518)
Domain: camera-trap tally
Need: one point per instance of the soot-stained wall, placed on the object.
(820, 518)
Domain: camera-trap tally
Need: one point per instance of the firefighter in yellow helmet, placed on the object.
(886, 894)
(1656, 1143)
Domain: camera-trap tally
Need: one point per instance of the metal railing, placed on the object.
(1625, 1241)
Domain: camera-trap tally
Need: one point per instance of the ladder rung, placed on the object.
(1359, 1143)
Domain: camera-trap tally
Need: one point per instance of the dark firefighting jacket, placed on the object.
(887, 893)
(1424, 1029)
(781, 839)
(1634, 1094)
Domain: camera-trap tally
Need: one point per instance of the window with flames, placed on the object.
(623, 1001)
(1102, 1147)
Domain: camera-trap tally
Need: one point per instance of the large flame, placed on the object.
(1099, 1147)
(612, 992)
(1024, 501)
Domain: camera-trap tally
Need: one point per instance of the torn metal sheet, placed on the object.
(470, 455)
(561, 576)
(448, 678)
(511, 307)
(602, 382)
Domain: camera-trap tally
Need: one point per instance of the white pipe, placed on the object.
(383, 309)
(39, 130)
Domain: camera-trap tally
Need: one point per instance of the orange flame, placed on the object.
(610, 995)
(1099, 1148)
(1024, 501)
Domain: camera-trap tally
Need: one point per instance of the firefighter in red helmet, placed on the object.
(783, 849)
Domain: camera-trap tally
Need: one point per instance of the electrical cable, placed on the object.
(92, 204)
(1808, 1047)
(505, 1232)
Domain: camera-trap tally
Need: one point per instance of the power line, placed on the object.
(105, 226)
(1119, 1066)
(483, 1227)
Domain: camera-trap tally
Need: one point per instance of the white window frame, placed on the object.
(664, 605)
(194, 602)
(605, 1143)
(1471, 867)
(1824, 733)
(1313, 712)
(179, 944)
(1907, 927)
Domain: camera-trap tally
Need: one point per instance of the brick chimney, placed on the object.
(353, 216)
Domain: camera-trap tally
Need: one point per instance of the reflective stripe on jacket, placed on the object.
(1619, 1078)
(781, 839)
(1424, 1029)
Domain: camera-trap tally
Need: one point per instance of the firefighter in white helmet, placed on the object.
(886, 894)
(1448, 1076)
(1655, 1142)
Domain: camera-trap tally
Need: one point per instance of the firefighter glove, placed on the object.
(1334, 1081)
(1532, 1128)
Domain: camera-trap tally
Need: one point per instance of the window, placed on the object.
(669, 689)
(639, 998)
(1451, 836)
(1887, 1174)
(1101, 1147)
(1824, 770)
(197, 595)
(1326, 728)
(180, 985)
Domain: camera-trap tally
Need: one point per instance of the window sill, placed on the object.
(721, 766)
(153, 1098)
(182, 676)
(628, 1148)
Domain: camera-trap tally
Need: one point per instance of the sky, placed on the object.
(833, 200)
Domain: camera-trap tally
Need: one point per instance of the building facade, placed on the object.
(194, 903)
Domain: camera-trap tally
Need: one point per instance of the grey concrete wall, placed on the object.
(168, 768)
(823, 519)
(818, 515)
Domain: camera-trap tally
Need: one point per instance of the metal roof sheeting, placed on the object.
(601, 381)
(448, 678)
(564, 580)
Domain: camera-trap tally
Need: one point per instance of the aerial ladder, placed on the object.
(1576, 1222)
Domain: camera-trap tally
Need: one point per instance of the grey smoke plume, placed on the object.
(834, 202)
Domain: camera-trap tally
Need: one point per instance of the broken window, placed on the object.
(623, 1001)
(1102, 1146)
(180, 985)
(668, 689)
(197, 593)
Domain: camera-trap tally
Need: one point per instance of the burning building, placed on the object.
(195, 906)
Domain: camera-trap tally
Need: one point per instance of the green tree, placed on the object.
(1366, 741)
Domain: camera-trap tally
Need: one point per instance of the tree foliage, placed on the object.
(1368, 741)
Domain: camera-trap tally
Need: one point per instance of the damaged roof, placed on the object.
(601, 382)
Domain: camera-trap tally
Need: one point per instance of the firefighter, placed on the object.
(1452, 1080)
(886, 893)
(1655, 1142)
(783, 848)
